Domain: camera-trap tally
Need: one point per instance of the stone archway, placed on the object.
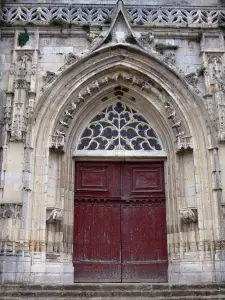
(179, 117)
(119, 218)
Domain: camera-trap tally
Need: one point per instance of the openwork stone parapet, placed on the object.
(194, 17)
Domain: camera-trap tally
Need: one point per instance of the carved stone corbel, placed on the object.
(189, 215)
(57, 142)
(54, 215)
(184, 143)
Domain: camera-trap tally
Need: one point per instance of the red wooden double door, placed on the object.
(119, 222)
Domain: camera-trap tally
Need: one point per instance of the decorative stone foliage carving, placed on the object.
(147, 38)
(50, 77)
(54, 215)
(12, 211)
(95, 14)
(170, 59)
(184, 143)
(92, 37)
(192, 79)
(119, 127)
(189, 215)
(71, 58)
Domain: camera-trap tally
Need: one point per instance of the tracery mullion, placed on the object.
(119, 131)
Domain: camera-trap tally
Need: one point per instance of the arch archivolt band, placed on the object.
(178, 117)
(136, 83)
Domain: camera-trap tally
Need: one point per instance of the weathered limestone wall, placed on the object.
(52, 85)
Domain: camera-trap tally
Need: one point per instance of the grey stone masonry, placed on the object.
(114, 291)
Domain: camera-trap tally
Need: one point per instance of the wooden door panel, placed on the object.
(145, 272)
(97, 242)
(144, 250)
(114, 239)
(141, 180)
(97, 180)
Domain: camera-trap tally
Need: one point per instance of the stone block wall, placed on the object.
(54, 79)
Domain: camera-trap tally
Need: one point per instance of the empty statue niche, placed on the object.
(188, 203)
(54, 232)
(54, 211)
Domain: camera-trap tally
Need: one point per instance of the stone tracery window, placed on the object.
(119, 127)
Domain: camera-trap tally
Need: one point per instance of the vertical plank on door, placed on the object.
(144, 253)
(97, 239)
(97, 250)
(144, 246)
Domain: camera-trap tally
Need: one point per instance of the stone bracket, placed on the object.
(189, 215)
(54, 215)
(184, 143)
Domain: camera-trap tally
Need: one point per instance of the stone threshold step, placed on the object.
(134, 293)
(108, 286)
(119, 298)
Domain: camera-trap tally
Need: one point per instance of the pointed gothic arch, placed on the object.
(178, 116)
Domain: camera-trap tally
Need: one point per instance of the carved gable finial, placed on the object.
(120, 30)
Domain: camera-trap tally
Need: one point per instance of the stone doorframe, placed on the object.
(179, 117)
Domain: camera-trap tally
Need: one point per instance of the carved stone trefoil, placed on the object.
(189, 215)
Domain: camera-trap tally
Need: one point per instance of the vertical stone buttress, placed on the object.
(212, 50)
(15, 202)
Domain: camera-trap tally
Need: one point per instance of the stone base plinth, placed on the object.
(21, 270)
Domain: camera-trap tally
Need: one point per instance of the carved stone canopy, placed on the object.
(184, 143)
